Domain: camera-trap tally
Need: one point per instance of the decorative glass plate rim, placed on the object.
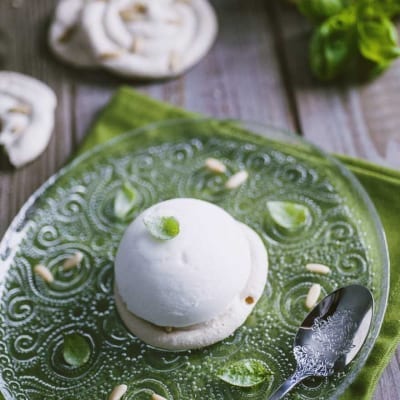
(15, 231)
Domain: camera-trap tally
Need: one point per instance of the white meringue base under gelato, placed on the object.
(240, 295)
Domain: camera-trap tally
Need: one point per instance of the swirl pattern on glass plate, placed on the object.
(143, 388)
(77, 215)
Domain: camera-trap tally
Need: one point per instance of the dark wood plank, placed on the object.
(379, 102)
(22, 49)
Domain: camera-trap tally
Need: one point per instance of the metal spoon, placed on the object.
(331, 335)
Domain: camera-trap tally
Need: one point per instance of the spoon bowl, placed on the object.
(331, 335)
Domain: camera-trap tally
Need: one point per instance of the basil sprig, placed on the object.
(332, 44)
(377, 36)
(351, 36)
(321, 9)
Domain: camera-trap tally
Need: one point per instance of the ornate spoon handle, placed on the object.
(288, 385)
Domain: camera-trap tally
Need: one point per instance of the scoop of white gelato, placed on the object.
(191, 278)
(194, 289)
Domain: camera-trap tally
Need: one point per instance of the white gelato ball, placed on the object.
(189, 279)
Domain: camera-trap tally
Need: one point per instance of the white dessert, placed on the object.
(149, 38)
(195, 289)
(26, 116)
(67, 39)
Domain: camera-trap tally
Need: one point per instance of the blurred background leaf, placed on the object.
(353, 38)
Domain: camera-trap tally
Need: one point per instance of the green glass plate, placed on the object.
(73, 212)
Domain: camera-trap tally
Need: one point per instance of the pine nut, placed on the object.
(313, 295)
(156, 396)
(16, 129)
(318, 268)
(73, 261)
(44, 273)
(215, 165)
(20, 109)
(109, 55)
(174, 61)
(237, 180)
(136, 45)
(67, 35)
(118, 392)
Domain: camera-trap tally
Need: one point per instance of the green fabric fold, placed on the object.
(129, 110)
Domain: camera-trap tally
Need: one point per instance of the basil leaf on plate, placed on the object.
(244, 373)
(124, 201)
(76, 350)
(321, 9)
(288, 215)
(333, 43)
(163, 228)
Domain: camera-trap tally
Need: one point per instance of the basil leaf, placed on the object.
(124, 201)
(244, 373)
(332, 44)
(321, 9)
(377, 36)
(76, 350)
(288, 215)
(163, 228)
(390, 7)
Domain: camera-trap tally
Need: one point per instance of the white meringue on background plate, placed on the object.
(194, 289)
(149, 38)
(26, 116)
(66, 37)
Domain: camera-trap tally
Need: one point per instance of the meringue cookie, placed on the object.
(66, 37)
(26, 116)
(147, 38)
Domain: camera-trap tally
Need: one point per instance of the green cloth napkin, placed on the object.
(129, 110)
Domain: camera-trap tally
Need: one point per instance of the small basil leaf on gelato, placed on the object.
(162, 228)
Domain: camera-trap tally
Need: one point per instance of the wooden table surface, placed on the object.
(257, 71)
